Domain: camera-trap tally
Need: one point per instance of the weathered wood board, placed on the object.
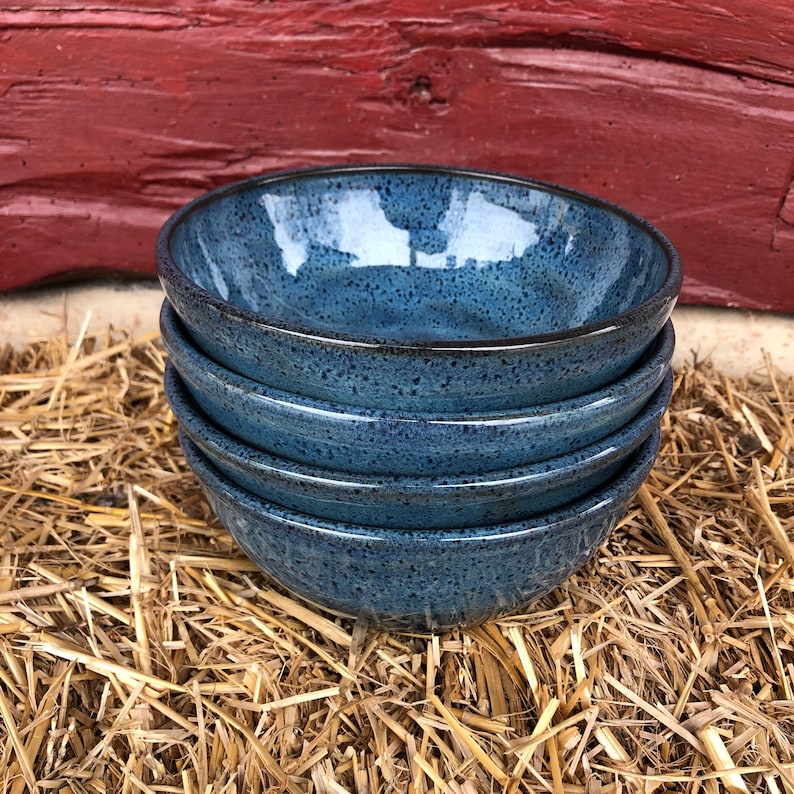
(112, 116)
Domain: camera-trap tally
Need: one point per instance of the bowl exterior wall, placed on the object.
(368, 441)
(417, 503)
(416, 581)
(442, 380)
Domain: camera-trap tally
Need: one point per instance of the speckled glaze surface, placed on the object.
(421, 580)
(478, 499)
(417, 288)
(368, 441)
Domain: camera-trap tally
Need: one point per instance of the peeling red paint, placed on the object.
(113, 116)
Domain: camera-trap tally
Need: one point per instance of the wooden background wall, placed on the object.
(113, 115)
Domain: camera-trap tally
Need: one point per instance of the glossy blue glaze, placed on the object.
(476, 499)
(421, 580)
(417, 288)
(347, 438)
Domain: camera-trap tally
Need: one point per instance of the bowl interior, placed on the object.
(418, 255)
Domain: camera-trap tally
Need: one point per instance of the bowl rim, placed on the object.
(172, 276)
(176, 339)
(621, 443)
(604, 500)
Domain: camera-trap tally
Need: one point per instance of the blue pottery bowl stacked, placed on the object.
(416, 395)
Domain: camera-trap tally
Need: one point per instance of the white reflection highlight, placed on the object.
(290, 238)
(480, 231)
(217, 276)
(477, 231)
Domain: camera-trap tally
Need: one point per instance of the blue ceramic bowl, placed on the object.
(420, 580)
(368, 441)
(416, 502)
(417, 288)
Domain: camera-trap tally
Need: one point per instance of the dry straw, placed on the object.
(141, 652)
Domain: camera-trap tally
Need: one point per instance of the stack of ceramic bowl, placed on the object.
(416, 395)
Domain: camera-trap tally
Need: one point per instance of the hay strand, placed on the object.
(141, 652)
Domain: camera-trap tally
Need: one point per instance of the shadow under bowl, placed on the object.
(421, 580)
(417, 287)
(368, 441)
(476, 499)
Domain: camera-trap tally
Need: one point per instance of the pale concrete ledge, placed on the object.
(734, 340)
(32, 314)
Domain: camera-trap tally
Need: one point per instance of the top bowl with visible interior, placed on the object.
(421, 288)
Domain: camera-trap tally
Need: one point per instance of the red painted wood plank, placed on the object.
(746, 36)
(112, 117)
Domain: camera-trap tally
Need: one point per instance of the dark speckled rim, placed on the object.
(609, 498)
(170, 274)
